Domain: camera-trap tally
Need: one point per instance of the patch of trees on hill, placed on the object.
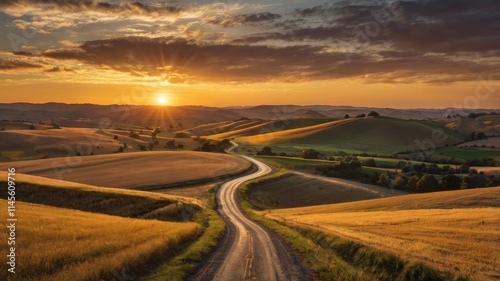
(218, 147)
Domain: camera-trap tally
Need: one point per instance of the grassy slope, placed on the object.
(296, 189)
(422, 227)
(264, 127)
(133, 170)
(130, 203)
(356, 135)
(61, 244)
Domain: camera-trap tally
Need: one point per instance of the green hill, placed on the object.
(382, 135)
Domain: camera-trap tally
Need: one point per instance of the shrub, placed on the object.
(370, 162)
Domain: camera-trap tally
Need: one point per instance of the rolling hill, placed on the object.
(454, 231)
(63, 244)
(134, 170)
(490, 124)
(382, 135)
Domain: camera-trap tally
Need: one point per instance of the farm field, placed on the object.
(454, 231)
(63, 244)
(141, 169)
(354, 135)
(296, 189)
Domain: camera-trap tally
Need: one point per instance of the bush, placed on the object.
(310, 154)
(451, 182)
(370, 162)
(428, 183)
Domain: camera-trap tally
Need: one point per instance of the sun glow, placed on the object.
(162, 100)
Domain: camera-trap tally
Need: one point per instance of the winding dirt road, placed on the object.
(248, 250)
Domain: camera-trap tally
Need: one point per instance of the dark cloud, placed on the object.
(13, 64)
(58, 69)
(229, 21)
(23, 53)
(182, 60)
(77, 6)
(428, 25)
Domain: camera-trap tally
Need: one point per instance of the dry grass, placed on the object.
(299, 189)
(133, 170)
(61, 244)
(423, 227)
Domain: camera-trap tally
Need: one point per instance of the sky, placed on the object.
(403, 54)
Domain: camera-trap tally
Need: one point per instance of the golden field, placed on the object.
(133, 170)
(62, 244)
(455, 231)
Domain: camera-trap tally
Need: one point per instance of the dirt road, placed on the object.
(248, 250)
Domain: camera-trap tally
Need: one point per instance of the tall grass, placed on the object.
(62, 244)
(335, 258)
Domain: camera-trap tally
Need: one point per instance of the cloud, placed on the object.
(192, 62)
(229, 21)
(76, 6)
(14, 64)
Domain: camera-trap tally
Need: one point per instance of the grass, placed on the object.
(61, 244)
(354, 135)
(135, 170)
(335, 258)
(466, 153)
(186, 262)
(450, 231)
(98, 201)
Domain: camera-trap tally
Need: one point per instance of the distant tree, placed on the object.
(370, 162)
(171, 128)
(170, 144)
(134, 135)
(266, 150)
(361, 115)
(373, 114)
(32, 127)
(115, 137)
(120, 149)
(310, 154)
(180, 146)
(464, 169)
(481, 135)
(473, 135)
(142, 147)
(451, 182)
(412, 182)
(182, 135)
(347, 116)
(427, 183)
(354, 164)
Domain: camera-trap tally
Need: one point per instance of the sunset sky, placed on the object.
(406, 54)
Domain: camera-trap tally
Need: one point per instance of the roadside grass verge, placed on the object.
(186, 262)
(335, 258)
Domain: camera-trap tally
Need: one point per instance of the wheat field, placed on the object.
(62, 244)
(463, 241)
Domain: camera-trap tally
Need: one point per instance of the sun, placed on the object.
(162, 100)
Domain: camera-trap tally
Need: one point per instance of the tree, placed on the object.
(451, 182)
(481, 136)
(310, 154)
(266, 150)
(32, 127)
(180, 146)
(373, 114)
(473, 135)
(115, 137)
(427, 183)
(370, 162)
(347, 116)
(134, 135)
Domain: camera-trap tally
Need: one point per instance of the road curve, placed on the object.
(248, 250)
